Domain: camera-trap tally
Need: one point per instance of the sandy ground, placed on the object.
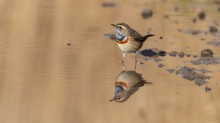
(45, 80)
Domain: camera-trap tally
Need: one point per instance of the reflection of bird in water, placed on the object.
(128, 40)
(127, 83)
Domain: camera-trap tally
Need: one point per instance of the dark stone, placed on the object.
(170, 70)
(188, 55)
(194, 20)
(173, 53)
(68, 44)
(108, 4)
(162, 53)
(161, 65)
(195, 56)
(213, 29)
(181, 54)
(202, 15)
(196, 32)
(161, 37)
(207, 53)
(147, 13)
(148, 52)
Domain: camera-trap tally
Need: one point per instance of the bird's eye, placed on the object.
(119, 28)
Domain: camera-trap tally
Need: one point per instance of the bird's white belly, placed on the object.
(129, 47)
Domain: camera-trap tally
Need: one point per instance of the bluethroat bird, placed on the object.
(126, 84)
(128, 40)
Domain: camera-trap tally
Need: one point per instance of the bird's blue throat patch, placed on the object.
(120, 37)
(118, 89)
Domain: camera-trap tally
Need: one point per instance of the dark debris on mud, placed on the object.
(108, 4)
(213, 29)
(214, 43)
(152, 52)
(206, 61)
(207, 53)
(201, 15)
(147, 13)
(192, 74)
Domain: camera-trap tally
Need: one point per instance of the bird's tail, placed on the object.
(146, 37)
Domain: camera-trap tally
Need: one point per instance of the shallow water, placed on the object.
(57, 66)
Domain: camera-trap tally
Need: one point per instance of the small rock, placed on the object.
(162, 53)
(161, 37)
(202, 39)
(213, 29)
(141, 62)
(170, 70)
(68, 44)
(207, 53)
(195, 56)
(161, 65)
(196, 32)
(194, 20)
(173, 53)
(181, 54)
(202, 15)
(108, 4)
(147, 13)
(188, 55)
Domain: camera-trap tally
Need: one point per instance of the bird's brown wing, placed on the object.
(135, 35)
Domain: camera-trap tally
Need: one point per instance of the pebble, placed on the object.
(207, 53)
(202, 15)
(173, 53)
(181, 54)
(213, 29)
(108, 4)
(147, 13)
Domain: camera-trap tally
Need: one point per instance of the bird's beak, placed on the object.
(114, 25)
(113, 99)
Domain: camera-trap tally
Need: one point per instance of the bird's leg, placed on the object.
(123, 58)
(135, 64)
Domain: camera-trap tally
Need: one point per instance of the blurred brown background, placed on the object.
(56, 65)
